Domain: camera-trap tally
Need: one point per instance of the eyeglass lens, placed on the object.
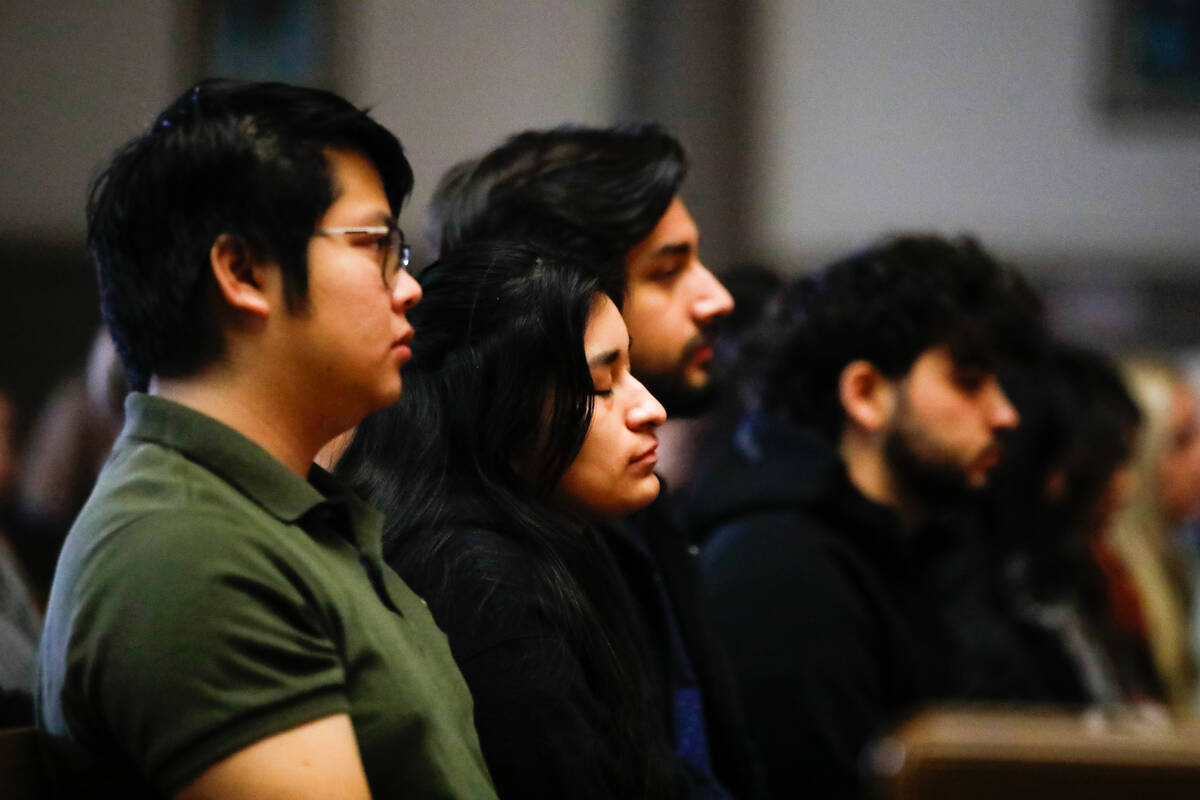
(397, 257)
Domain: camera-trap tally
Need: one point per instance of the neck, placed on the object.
(254, 408)
(869, 473)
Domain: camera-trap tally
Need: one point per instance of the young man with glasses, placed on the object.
(221, 622)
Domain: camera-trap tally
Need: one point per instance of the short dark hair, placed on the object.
(887, 305)
(226, 157)
(590, 192)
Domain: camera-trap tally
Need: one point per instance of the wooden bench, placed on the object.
(1032, 754)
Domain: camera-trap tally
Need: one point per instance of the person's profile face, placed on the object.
(944, 430)
(671, 306)
(350, 341)
(1179, 472)
(613, 472)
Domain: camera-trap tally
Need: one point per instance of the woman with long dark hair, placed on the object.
(1069, 627)
(520, 436)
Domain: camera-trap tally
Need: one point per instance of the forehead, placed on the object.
(605, 328)
(676, 233)
(357, 184)
(937, 365)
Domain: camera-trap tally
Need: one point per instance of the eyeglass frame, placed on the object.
(396, 245)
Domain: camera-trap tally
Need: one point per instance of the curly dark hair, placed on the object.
(887, 305)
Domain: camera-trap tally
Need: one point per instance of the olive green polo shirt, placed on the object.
(207, 597)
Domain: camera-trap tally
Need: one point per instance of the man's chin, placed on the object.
(977, 480)
(932, 485)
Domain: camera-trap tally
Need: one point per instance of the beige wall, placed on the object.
(80, 77)
(859, 116)
(450, 77)
(962, 115)
(454, 77)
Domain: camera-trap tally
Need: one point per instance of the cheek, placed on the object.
(658, 339)
(954, 417)
(594, 477)
(595, 463)
(585, 486)
(641, 321)
(651, 306)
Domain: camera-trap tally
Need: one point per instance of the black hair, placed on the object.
(1046, 504)
(498, 374)
(496, 404)
(226, 157)
(591, 192)
(1079, 423)
(887, 305)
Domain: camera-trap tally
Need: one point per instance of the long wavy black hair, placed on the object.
(496, 404)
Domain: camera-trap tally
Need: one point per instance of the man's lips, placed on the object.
(699, 350)
(990, 457)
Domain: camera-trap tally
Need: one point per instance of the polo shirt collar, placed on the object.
(239, 461)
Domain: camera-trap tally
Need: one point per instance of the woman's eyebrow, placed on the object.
(605, 358)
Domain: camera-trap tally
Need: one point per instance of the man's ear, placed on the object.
(239, 274)
(867, 396)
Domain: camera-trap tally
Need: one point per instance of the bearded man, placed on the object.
(881, 410)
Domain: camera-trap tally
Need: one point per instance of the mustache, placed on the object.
(993, 452)
(706, 337)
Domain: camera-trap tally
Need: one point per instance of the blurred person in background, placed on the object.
(71, 437)
(1148, 534)
(882, 412)
(20, 620)
(1043, 610)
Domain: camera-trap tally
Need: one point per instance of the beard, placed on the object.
(928, 483)
(679, 398)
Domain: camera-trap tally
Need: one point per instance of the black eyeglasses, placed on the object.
(394, 253)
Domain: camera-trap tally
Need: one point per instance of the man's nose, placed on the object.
(712, 299)
(1003, 412)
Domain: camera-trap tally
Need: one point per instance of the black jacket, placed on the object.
(659, 564)
(545, 716)
(818, 600)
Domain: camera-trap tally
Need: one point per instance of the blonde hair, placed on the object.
(1143, 536)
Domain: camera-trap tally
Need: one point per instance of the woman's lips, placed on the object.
(647, 457)
(402, 347)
